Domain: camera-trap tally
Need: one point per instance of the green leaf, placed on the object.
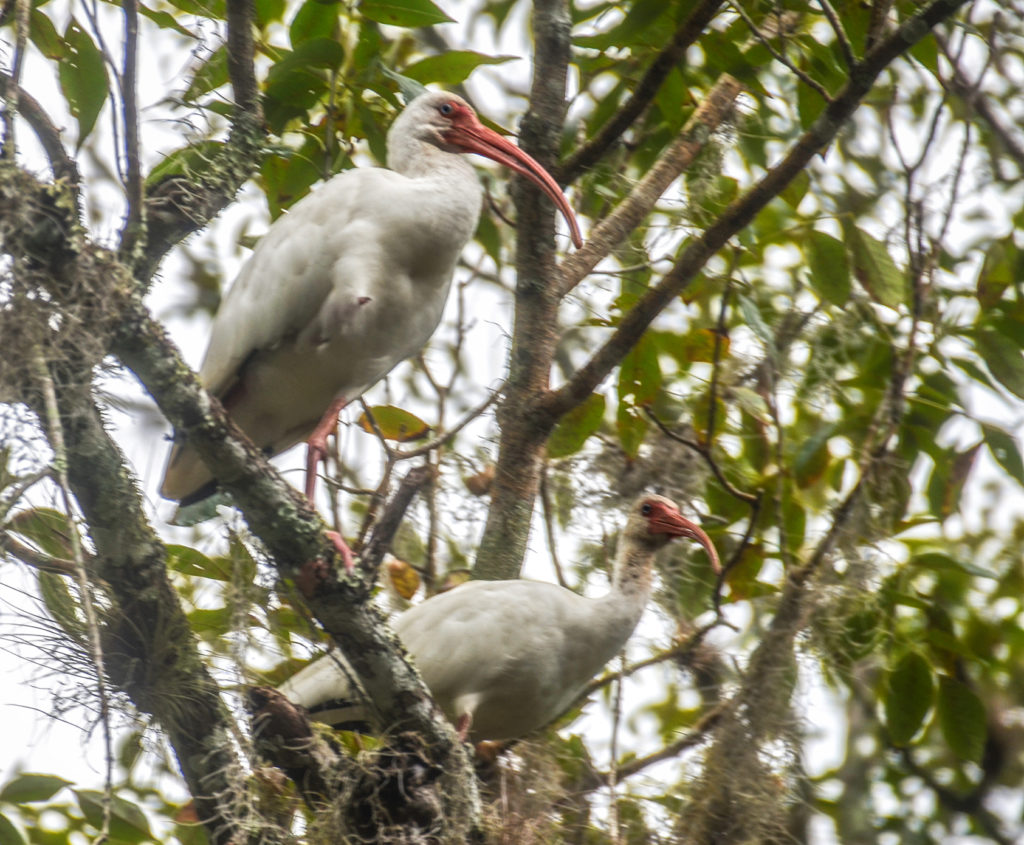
(755, 322)
(830, 271)
(640, 375)
(909, 693)
(1004, 449)
(9, 834)
(192, 161)
(44, 35)
(875, 269)
(165, 20)
(795, 191)
(46, 528)
(394, 423)
(452, 67)
(83, 79)
(575, 427)
(268, 11)
(189, 561)
(812, 458)
(631, 427)
(27, 788)
(299, 80)
(947, 480)
(1003, 358)
(216, 9)
(962, 719)
(315, 19)
(409, 13)
(211, 75)
(127, 821)
(61, 604)
(211, 623)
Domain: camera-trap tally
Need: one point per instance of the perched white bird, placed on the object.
(503, 658)
(351, 281)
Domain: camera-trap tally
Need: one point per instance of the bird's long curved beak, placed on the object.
(665, 521)
(473, 137)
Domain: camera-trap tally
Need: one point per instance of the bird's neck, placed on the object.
(419, 159)
(631, 581)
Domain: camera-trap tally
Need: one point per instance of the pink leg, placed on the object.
(316, 443)
(316, 451)
(462, 725)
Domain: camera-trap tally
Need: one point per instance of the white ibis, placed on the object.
(349, 283)
(503, 658)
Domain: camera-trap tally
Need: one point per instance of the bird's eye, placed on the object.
(446, 108)
(646, 509)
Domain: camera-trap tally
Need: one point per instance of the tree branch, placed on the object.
(294, 535)
(61, 164)
(133, 233)
(697, 252)
(178, 206)
(645, 91)
(150, 652)
(517, 476)
(679, 155)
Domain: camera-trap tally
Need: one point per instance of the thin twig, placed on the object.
(446, 437)
(60, 465)
(716, 360)
(36, 559)
(21, 21)
(705, 452)
(837, 27)
(549, 527)
(780, 57)
(133, 232)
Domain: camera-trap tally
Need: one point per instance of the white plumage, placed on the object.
(504, 658)
(347, 284)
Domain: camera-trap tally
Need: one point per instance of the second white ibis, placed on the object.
(504, 658)
(347, 284)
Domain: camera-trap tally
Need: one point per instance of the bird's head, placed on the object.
(448, 122)
(655, 520)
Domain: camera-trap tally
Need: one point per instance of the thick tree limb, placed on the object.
(740, 213)
(517, 476)
(149, 648)
(645, 91)
(294, 535)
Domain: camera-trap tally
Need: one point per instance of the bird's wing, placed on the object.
(284, 286)
(328, 690)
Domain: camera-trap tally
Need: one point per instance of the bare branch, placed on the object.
(61, 164)
(643, 94)
(85, 587)
(960, 85)
(611, 231)
(849, 57)
(10, 145)
(779, 56)
(241, 70)
(135, 217)
(35, 559)
(704, 450)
